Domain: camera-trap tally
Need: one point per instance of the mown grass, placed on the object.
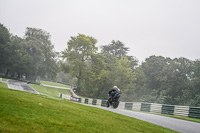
(4, 79)
(50, 91)
(4, 85)
(26, 112)
(183, 118)
(54, 84)
(174, 116)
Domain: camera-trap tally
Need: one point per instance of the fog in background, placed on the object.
(170, 28)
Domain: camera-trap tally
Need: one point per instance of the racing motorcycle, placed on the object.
(113, 101)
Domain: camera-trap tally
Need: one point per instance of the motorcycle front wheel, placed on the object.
(115, 104)
(107, 104)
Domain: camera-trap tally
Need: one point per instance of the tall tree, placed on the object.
(178, 78)
(194, 92)
(116, 48)
(123, 76)
(38, 45)
(78, 53)
(20, 60)
(4, 47)
(155, 78)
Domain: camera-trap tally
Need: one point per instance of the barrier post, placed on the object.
(94, 101)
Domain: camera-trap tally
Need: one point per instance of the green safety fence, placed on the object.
(94, 102)
(194, 112)
(129, 106)
(79, 100)
(103, 103)
(86, 101)
(145, 107)
(167, 109)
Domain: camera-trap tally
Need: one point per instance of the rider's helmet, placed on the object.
(116, 88)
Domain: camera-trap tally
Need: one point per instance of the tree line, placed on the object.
(94, 71)
(29, 57)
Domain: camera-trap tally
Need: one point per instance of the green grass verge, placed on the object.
(174, 116)
(4, 85)
(4, 79)
(183, 118)
(54, 84)
(50, 91)
(26, 112)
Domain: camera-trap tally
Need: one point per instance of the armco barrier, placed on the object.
(64, 96)
(103, 103)
(156, 108)
(86, 100)
(136, 106)
(83, 100)
(181, 110)
(194, 112)
(187, 111)
(79, 100)
(94, 102)
(90, 101)
(75, 99)
(129, 106)
(99, 102)
(167, 109)
(121, 105)
(145, 107)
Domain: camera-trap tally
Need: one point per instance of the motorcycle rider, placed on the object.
(114, 93)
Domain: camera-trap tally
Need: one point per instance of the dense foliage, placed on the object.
(29, 57)
(93, 72)
(158, 79)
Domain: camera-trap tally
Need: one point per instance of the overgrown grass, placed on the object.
(50, 91)
(26, 112)
(54, 84)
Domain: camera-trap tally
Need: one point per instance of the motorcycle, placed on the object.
(113, 101)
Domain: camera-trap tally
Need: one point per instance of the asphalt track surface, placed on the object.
(171, 123)
(22, 86)
(56, 86)
(179, 125)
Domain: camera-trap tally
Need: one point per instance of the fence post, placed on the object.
(60, 95)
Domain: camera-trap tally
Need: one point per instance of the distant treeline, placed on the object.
(28, 57)
(157, 79)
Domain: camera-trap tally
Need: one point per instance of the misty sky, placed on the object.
(170, 28)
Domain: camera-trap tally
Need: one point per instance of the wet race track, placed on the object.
(22, 86)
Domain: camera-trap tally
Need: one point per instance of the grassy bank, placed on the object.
(26, 112)
(54, 84)
(3, 85)
(50, 91)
